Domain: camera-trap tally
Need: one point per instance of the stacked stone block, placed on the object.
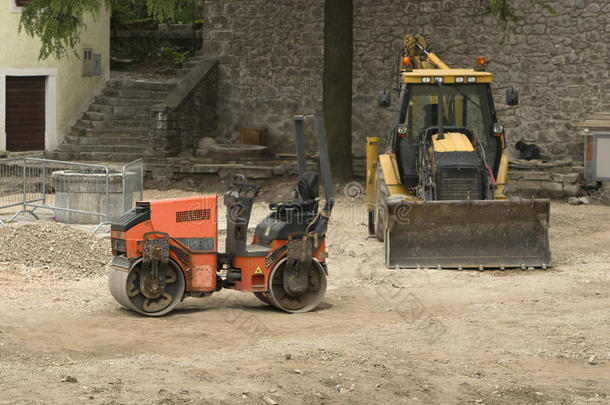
(544, 179)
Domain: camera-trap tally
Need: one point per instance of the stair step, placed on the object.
(145, 109)
(111, 132)
(130, 124)
(102, 148)
(146, 94)
(127, 102)
(100, 108)
(123, 110)
(122, 124)
(91, 124)
(102, 140)
(93, 116)
(130, 117)
(104, 157)
(57, 155)
(140, 85)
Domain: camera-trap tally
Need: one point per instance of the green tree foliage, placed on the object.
(162, 9)
(58, 23)
(506, 13)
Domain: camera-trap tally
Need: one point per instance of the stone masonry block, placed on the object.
(537, 175)
(571, 189)
(553, 186)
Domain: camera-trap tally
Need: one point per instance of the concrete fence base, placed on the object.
(87, 192)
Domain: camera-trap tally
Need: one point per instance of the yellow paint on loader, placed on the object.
(372, 161)
(391, 175)
(452, 142)
(501, 180)
(448, 75)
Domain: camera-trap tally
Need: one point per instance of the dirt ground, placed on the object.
(380, 335)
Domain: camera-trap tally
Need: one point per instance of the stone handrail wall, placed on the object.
(188, 113)
(271, 56)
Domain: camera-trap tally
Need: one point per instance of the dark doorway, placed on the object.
(25, 113)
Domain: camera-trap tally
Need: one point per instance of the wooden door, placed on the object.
(25, 113)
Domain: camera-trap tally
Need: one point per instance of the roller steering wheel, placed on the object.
(243, 188)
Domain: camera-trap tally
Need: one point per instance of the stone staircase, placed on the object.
(187, 66)
(119, 121)
(117, 124)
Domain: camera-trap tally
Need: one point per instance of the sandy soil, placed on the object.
(408, 336)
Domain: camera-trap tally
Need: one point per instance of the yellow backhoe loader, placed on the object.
(435, 195)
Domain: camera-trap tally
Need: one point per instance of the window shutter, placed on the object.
(22, 3)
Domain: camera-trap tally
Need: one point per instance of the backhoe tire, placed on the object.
(371, 223)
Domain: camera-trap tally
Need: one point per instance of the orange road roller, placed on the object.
(166, 250)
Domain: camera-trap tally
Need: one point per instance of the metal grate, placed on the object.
(460, 185)
(193, 215)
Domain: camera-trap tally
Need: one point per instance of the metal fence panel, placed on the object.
(76, 192)
(11, 182)
(133, 184)
(13, 186)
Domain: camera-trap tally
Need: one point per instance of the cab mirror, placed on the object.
(512, 96)
(385, 98)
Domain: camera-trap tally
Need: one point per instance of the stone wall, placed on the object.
(271, 57)
(188, 113)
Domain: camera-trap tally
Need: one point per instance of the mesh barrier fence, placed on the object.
(79, 193)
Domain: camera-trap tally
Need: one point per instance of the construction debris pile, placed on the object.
(55, 250)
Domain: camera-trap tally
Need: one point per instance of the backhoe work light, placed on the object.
(406, 64)
(498, 129)
(438, 80)
(472, 79)
(480, 66)
(425, 79)
(402, 131)
(459, 79)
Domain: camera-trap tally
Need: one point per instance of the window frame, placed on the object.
(15, 8)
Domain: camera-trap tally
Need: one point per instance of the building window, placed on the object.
(17, 5)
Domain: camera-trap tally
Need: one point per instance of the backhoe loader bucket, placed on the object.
(468, 234)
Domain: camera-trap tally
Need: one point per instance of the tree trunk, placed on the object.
(337, 85)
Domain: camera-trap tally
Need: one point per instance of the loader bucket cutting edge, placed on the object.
(468, 234)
